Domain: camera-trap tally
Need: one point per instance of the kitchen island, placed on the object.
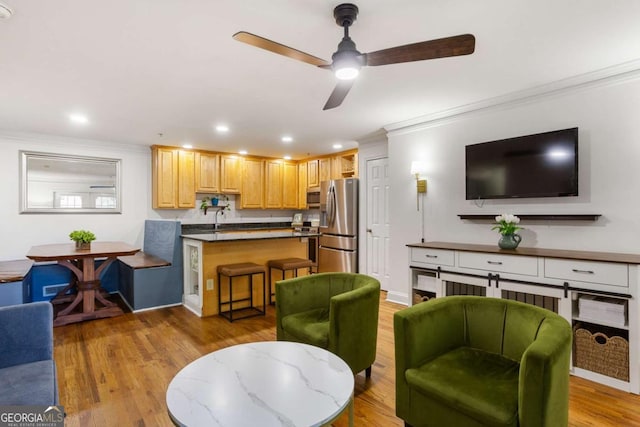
(204, 251)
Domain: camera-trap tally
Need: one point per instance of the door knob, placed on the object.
(369, 230)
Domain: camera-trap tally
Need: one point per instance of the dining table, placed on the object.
(82, 263)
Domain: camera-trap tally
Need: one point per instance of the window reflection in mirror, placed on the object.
(56, 183)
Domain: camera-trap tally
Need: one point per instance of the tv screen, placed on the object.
(540, 165)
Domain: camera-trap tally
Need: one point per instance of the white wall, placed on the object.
(19, 232)
(606, 113)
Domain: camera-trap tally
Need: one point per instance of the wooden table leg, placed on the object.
(89, 272)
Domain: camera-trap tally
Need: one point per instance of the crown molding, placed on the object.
(607, 76)
(61, 141)
(374, 137)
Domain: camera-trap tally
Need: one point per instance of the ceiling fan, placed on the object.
(347, 60)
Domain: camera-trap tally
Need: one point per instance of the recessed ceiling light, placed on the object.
(222, 128)
(287, 157)
(337, 146)
(187, 146)
(5, 12)
(79, 119)
(243, 152)
(287, 138)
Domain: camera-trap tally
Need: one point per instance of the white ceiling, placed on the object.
(148, 67)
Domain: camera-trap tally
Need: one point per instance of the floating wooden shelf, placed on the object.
(547, 217)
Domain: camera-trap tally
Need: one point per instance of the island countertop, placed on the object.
(227, 236)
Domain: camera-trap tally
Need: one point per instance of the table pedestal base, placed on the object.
(88, 293)
(81, 317)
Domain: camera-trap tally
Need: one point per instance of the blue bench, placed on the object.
(153, 278)
(14, 282)
(27, 369)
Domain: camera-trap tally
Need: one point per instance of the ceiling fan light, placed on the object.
(347, 73)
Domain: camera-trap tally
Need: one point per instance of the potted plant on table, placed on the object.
(507, 227)
(83, 239)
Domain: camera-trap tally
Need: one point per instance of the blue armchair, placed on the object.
(27, 368)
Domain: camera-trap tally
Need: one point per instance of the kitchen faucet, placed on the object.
(215, 218)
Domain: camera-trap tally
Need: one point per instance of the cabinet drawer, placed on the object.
(606, 273)
(432, 256)
(514, 264)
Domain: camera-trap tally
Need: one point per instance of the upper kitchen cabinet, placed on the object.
(344, 165)
(302, 185)
(281, 184)
(347, 163)
(230, 174)
(252, 194)
(289, 185)
(324, 165)
(313, 174)
(207, 173)
(173, 178)
(273, 184)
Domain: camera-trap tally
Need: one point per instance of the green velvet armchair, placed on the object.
(476, 361)
(334, 311)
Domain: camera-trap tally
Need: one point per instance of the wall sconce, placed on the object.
(418, 169)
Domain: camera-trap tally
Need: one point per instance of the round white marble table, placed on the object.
(275, 383)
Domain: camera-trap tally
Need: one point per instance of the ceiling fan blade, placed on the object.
(440, 48)
(339, 93)
(278, 48)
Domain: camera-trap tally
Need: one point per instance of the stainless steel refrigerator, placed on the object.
(338, 226)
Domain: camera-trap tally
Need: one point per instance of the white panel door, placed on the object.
(378, 220)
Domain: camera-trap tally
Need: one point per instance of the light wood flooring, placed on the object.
(115, 372)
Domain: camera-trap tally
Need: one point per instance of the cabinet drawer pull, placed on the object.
(431, 256)
(494, 262)
(575, 270)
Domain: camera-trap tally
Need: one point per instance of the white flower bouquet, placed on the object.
(507, 224)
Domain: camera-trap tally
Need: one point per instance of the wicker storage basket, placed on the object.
(419, 297)
(602, 354)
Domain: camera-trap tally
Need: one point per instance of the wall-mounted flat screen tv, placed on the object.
(540, 165)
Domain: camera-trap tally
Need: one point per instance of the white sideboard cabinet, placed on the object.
(562, 281)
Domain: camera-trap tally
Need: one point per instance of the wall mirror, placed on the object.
(58, 183)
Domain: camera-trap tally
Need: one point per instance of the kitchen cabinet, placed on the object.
(173, 178)
(273, 184)
(313, 174)
(348, 165)
(324, 167)
(558, 280)
(281, 185)
(344, 165)
(230, 174)
(207, 169)
(336, 167)
(252, 193)
(302, 185)
(289, 185)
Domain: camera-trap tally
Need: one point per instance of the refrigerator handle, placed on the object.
(330, 207)
(332, 193)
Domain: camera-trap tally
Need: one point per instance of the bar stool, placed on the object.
(286, 264)
(248, 269)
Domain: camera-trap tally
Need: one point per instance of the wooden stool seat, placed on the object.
(290, 263)
(240, 270)
(286, 264)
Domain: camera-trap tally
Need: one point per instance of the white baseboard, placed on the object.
(144, 309)
(398, 297)
(157, 307)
